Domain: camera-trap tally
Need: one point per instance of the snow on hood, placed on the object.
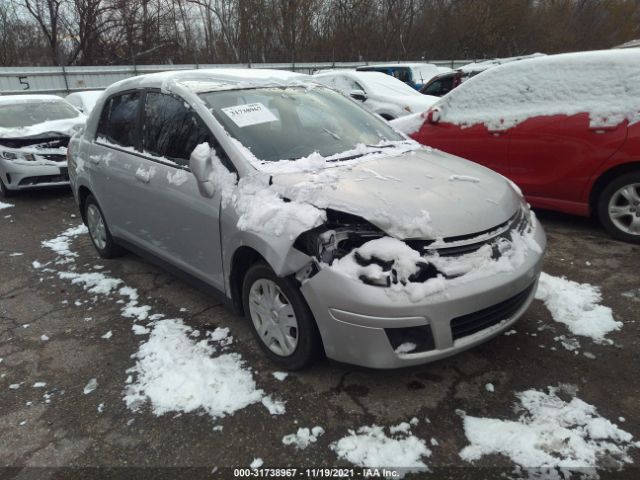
(604, 84)
(419, 194)
(65, 126)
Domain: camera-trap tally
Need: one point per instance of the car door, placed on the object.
(113, 161)
(555, 156)
(477, 143)
(178, 224)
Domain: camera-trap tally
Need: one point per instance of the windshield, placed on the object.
(279, 123)
(25, 114)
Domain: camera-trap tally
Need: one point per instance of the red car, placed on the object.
(565, 128)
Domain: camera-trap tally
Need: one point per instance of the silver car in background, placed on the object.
(330, 231)
(34, 133)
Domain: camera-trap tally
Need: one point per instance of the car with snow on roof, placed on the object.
(379, 93)
(34, 133)
(565, 128)
(330, 231)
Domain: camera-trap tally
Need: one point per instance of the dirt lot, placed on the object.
(60, 426)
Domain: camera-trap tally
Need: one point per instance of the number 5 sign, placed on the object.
(23, 81)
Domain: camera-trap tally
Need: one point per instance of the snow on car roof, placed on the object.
(375, 81)
(211, 79)
(605, 84)
(13, 99)
(486, 64)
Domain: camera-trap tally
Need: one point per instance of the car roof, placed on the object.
(11, 99)
(210, 79)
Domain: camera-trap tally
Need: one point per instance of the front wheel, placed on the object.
(4, 191)
(619, 207)
(99, 231)
(280, 318)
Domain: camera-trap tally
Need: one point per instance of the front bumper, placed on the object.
(24, 175)
(354, 319)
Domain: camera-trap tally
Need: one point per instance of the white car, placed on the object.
(84, 101)
(34, 133)
(382, 94)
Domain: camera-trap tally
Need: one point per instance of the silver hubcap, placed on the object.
(97, 229)
(272, 316)
(624, 209)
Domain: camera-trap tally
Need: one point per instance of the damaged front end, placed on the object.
(339, 243)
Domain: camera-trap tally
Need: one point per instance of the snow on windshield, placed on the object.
(606, 85)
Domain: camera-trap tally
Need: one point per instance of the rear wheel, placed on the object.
(99, 231)
(280, 318)
(619, 207)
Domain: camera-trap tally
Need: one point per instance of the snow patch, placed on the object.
(174, 373)
(550, 433)
(577, 305)
(303, 437)
(371, 447)
(4, 205)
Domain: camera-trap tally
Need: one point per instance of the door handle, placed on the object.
(95, 159)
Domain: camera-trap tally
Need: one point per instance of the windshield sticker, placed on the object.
(249, 114)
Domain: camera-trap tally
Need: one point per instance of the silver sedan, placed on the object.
(331, 232)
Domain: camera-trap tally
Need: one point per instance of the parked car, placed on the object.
(85, 100)
(442, 84)
(380, 93)
(413, 74)
(565, 128)
(326, 228)
(34, 132)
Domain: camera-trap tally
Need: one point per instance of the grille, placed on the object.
(487, 317)
(454, 246)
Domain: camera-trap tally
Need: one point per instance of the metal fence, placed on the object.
(64, 80)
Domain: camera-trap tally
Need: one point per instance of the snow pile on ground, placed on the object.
(60, 244)
(5, 205)
(451, 271)
(552, 434)
(409, 123)
(175, 373)
(603, 84)
(577, 305)
(371, 447)
(303, 437)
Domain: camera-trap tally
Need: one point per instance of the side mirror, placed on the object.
(358, 95)
(202, 168)
(434, 115)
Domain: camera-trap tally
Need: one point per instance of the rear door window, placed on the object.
(118, 121)
(171, 129)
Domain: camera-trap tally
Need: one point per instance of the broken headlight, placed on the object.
(341, 234)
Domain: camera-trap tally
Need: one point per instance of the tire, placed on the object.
(4, 191)
(100, 235)
(619, 207)
(276, 341)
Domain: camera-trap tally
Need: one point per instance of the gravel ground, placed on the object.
(68, 430)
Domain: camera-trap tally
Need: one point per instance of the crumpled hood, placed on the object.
(458, 196)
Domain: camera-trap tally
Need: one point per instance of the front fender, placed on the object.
(279, 252)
